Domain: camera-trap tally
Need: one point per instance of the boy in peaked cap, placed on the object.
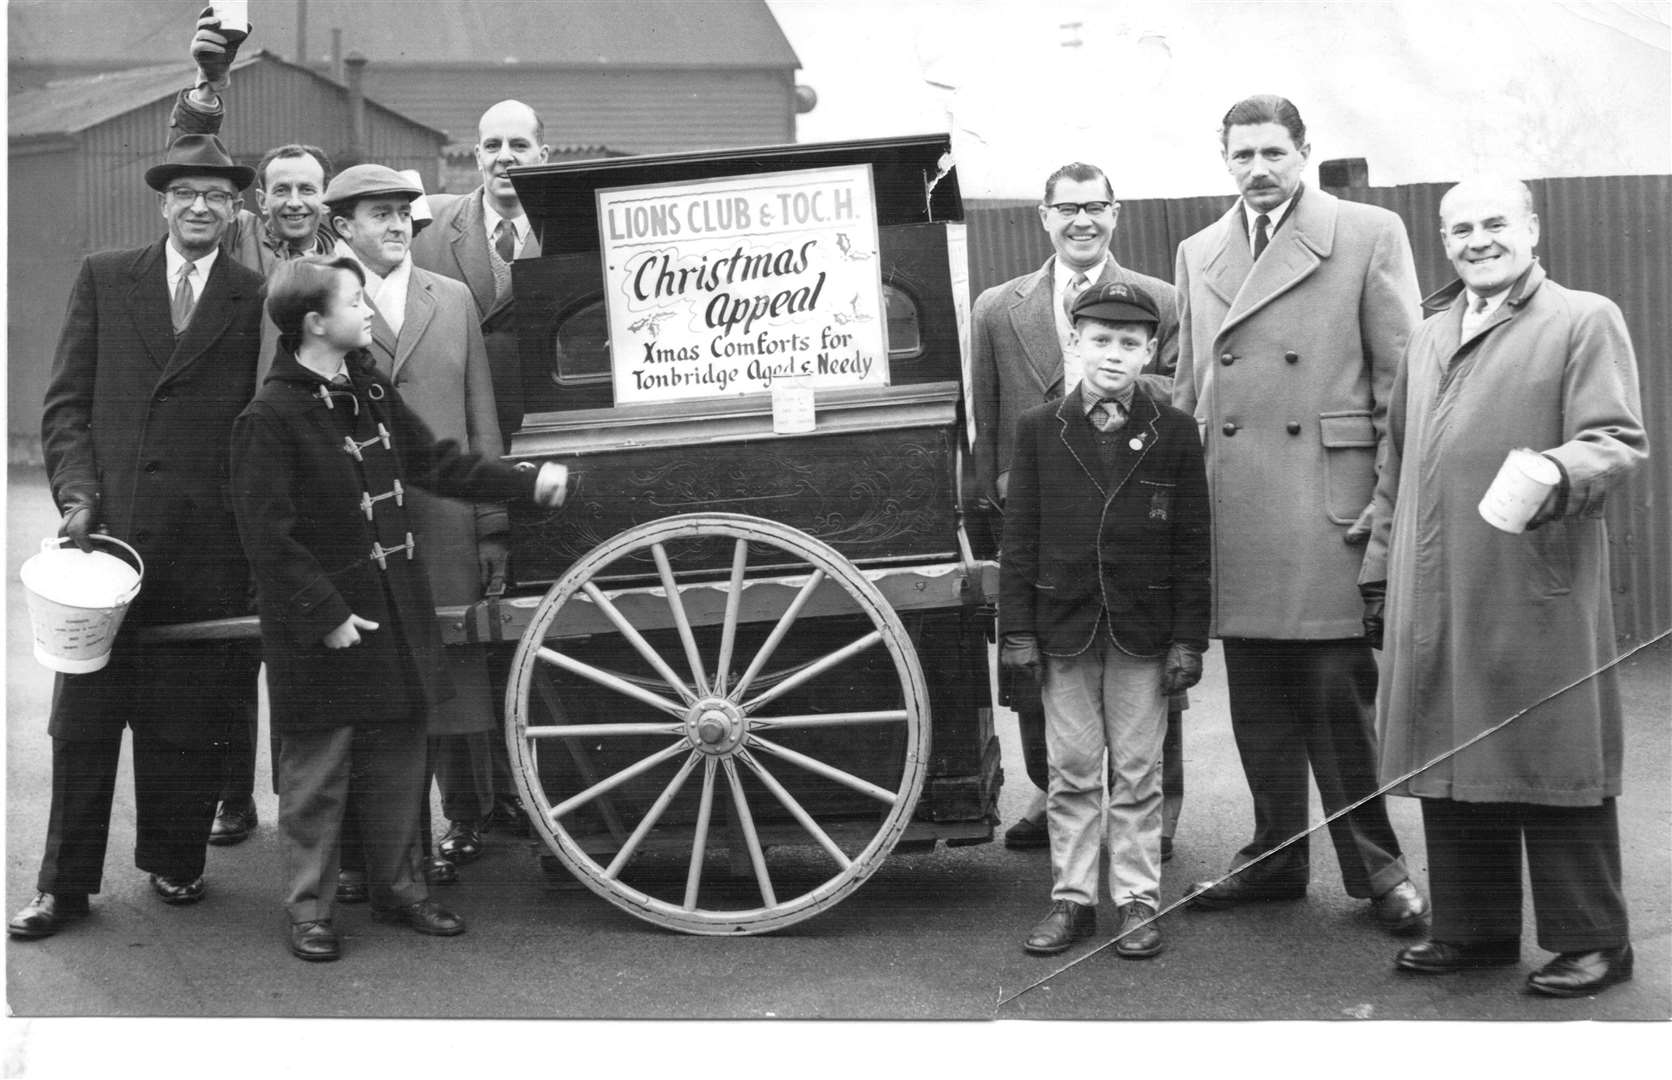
(1104, 600)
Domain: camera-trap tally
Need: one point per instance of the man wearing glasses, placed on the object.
(156, 358)
(1019, 358)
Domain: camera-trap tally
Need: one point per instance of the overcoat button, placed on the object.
(150, 466)
(1292, 357)
(1229, 429)
(1226, 358)
(1294, 427)
(162, 396)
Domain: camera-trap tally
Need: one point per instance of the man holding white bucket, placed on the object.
(156, 358)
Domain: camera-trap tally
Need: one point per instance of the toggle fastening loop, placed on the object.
(368, 500)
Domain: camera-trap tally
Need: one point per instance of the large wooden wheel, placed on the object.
(714, 766)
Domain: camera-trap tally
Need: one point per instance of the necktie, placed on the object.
(1261, 223)
(1075, 287)
(1108, 415)
(1474, 316)
(505, 240)
(184, 302)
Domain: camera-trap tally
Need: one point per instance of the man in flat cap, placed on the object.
(156, 357)
(427, 340)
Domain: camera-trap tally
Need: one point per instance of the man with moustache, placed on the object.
(1484, 625)
(1020, 358)
(1294, 309)
(157, 357)
(474, 238)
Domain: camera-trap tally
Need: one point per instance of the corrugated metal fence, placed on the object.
(1609, 234)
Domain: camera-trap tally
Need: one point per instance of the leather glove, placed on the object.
(1553, 503)
(215, 49)
(1182, 668)
(1020, 652)
(1375, 595)
(79, 522)
(493, 559)
(1359, 531)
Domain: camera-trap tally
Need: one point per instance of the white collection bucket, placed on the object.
(77, 600)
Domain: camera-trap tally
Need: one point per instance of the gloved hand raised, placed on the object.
(214, 49)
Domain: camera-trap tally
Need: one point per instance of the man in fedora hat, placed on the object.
(156, 357)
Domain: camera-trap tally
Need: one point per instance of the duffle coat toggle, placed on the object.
(353, 447)
(396, 492)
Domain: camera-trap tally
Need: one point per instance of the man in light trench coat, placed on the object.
(1294, 309)
(1483, 624)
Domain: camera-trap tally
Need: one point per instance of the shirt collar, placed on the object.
(1493, 302)
(1089, 397)
(491, 219)
(177, 260)
(1065, 273)
(373, 278)
(1277, 213)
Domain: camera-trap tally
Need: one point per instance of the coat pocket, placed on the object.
(1158, 503)
(1349, 442)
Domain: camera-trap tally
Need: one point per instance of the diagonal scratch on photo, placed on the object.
(784, 509)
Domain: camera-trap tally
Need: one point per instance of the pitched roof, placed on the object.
(622, 33)
(67, 106)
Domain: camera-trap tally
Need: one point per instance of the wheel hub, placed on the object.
(715, 726)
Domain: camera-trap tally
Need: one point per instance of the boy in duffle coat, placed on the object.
(1103, 597)
(321, 463)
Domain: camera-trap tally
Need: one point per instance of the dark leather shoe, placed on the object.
(1235, 890)
(352, 888)
(233, 824)
(1027, 834)
(1166, 849)
(1442, 957)
(425, 916)
(438, 871)
(1138, 936)
(1067, 923)
(177, 892)
(314, 941)
(462, 844)
(1401, 910)
(47, 914)
(1582, 974)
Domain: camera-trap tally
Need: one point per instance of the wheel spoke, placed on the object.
(643, 765)
(699, 846)
(816, 668)
(751, 839)
(815, 720)
(651, 817)
(541, 680)
(631, 633)
(797, 811)
(613, 682)
(734, 599)
(785, 621)
(829, 772)
(676, 607)
(583, 731)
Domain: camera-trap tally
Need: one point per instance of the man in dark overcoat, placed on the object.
(156, 358)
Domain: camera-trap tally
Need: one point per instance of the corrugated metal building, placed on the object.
(78, 151)
(636, 76)
(1608, 234)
